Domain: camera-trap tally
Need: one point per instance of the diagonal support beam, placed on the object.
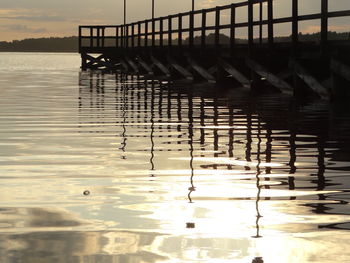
(212, 70)
(285, 74)
(279, 83)
(161, 66)
(92, 59)
(340, 69)
(132, 64)
(200, 70)
(184, 72)
(145, 65)
(340, 79)
(312, 82)
(234, 72)
(124, 65)
(98, 62)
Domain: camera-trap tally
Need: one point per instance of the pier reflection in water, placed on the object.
(176, 173)
(236, 151)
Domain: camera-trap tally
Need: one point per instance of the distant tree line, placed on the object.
(313, 37)
(70, 44)
(52, 44)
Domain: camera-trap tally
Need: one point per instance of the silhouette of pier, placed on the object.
(235, 44)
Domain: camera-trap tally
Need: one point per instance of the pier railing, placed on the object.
(208, 26)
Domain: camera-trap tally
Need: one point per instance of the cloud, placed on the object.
(206, 4)
(41, 18)
(310, 29)
(23, 28)
(339, 28)
(30, 15)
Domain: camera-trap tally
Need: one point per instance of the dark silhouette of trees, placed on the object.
(70, 44)
(52, 44)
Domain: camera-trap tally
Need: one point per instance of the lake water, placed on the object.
(108, 168)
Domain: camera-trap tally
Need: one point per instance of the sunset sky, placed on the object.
(21, 19)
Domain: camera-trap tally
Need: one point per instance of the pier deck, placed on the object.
(208, 45)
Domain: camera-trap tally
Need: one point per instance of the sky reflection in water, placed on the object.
(174, 173)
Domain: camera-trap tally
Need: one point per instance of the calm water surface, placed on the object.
(107, 168)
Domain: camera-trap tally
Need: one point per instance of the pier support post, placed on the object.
(83, 61)
(295, 25)
(324, 24)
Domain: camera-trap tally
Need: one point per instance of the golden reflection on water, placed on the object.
(173, 174)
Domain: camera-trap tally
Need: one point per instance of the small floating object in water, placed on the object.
(86, 192)
(190, 225)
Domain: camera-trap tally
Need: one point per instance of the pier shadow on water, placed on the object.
(180, 173)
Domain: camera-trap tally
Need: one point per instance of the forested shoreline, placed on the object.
(52, 44)
(70, 44)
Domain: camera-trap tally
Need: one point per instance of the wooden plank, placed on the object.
(146, 34)
(200, 70)
(234, 72)
(179, 30)
(283, 86)
(133, 35)
(295, 29)
(324, 22)
(145, 65)
(270, 22)
(139, 34)
(184, 72)
(127, 36)
(260, 19)
(98, 37)
(160, 65)
(103, 36)
(204, 24)
(170, 39)
(340, 69)
(161, 32)
(153, 32)
(250, 24)
(83, 61)
(91, 37)
(191, 32)
(117, 36)
(232, 29)
(80, 30)
(122, 31)
(312, 82)
(217, 29)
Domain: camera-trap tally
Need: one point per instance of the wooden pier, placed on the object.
(207, 45)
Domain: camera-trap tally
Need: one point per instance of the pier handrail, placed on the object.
(138, 34)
